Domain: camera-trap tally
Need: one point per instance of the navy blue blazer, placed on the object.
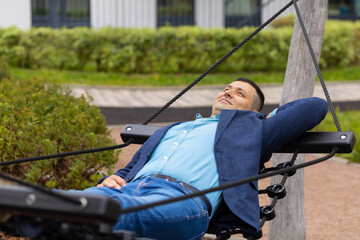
(244, 141)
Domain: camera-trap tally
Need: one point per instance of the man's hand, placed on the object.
(113, 181)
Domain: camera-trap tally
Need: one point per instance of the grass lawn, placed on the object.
(118, 79)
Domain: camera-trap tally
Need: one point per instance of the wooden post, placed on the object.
(299, 82)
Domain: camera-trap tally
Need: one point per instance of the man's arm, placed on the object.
(290, 121)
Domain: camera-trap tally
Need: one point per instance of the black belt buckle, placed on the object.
(166, 178)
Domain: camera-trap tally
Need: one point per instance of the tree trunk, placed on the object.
(299, 83)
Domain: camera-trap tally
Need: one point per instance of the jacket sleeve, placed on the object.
(290, 121)
(124, 171)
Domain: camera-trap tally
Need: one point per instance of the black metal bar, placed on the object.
(309, 142)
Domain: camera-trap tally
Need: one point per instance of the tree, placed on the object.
(299, 82)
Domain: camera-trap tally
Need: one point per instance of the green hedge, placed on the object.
(169, 49)
(40, 119)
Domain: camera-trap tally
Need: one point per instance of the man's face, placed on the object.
(237, 95)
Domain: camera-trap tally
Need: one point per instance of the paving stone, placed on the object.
(199, 96)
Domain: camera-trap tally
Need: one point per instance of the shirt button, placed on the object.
(184, 131)
(176, 143)
(165, 157)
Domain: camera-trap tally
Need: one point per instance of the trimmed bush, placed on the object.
(171, 49)
(285, 21)
(14, 46)
(4, 72)
(38, 119)
(340, 44)
(356, 43)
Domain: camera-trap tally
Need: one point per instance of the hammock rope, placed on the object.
(317, 67)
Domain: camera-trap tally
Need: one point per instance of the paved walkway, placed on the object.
(199, 96)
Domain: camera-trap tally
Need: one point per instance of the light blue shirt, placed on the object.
(186, 152)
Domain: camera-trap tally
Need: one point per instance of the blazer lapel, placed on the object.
(225, 118)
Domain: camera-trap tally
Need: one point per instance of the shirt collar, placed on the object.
(198, 116)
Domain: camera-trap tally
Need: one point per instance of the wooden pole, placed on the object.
(299, 82)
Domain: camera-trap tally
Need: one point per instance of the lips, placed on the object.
(225, 100)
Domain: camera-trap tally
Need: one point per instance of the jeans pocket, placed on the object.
(143, 183)
(200, 203)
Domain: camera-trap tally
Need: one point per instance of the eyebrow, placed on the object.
(237, 88)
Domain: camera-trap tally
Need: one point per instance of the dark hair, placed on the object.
(258, 101)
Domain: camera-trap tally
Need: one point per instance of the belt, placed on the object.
(191, 188)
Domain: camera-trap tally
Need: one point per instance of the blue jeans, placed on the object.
(187, 219)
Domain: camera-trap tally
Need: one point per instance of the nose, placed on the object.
(228, 93)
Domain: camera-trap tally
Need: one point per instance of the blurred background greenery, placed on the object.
(173, 56)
